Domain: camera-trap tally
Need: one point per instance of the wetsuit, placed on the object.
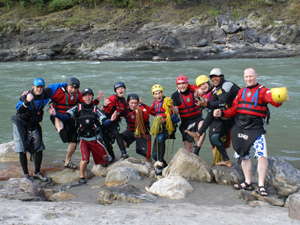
(88, 119)
(222, 97)
(250, 109)
(190, 113)
(26, 128)
(120, 105)
(143, 144)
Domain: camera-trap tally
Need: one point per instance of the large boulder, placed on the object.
(69, 176)
(7, 152)
(22, 189)
(172, 187)
(140, 165)
(293, 203)
(228, 176)
(123, 173)
(189, 166)
(123, 193)
(283, 177)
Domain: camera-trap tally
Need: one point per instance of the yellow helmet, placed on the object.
(201, 80)
(157, 87)
(279, 95)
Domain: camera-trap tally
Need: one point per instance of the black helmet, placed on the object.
(74, 82)
(119, 84)
(132, 96)
(87, 91)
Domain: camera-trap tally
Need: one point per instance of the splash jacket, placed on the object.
(116, 103)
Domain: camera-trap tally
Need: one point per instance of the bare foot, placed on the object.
(194, 135)
(224, 163)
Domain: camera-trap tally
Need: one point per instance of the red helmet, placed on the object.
(182, 79)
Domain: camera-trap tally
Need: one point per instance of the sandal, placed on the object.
(244, 186)
(70, 165)
(262, 191)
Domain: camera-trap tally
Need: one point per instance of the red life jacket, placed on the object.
(131, 117)
(188, 107)
(159, 109)
(67, 102)
(207, 96)
(119, 105)
(250, 102)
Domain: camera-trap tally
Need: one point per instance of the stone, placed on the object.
(122, 173)
(283, 177)
(123, 193)
(22, 189)
(189, 166)
(7, 152)
(273, 200)
(69, 176)
(259, 204)
(294, 206)
(202, 43)
(172, 187)
(246, 195)
(61, 196)
(219, 36)
(228, 175)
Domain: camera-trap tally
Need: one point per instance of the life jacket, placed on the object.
(222, 89)
(131, 117)
(159, 109)
(188, 105)
(249, 102)
(66, 103)
(119, 106)
(207, 96)
(87, 121)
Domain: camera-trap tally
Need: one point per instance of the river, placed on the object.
(139, 76)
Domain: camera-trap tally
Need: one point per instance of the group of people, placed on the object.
(233, 114)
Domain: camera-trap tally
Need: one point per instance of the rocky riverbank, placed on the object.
(197, 39)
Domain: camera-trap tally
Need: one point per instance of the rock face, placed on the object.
(209, 38)
(7, 152)
(189, 166)
(22, 189)
(123, 193)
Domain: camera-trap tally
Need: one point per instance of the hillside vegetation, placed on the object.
(19, 14)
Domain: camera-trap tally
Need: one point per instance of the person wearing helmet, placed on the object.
(116, 103)
(184, 102)
(26, 125)
(205, 89)
(162, 107)
(250, 109)
(223, 95)
(64, 99)
(89, 120)
(138, 126)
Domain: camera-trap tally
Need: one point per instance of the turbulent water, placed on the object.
(282, 133)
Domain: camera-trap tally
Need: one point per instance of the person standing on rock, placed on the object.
(116, 103)
(184, 102)
(64, 99)
(138, 126)
(26, 125)
(89, 118)
(250, 109)
(163, 128)
(223, 95)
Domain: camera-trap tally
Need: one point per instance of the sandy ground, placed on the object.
(207, 204)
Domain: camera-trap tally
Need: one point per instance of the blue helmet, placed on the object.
(38, 82)
(119, 84)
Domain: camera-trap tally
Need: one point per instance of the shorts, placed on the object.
(70, 128)
(191, 126)
(260, 148)
(98, 151)
(128, 137)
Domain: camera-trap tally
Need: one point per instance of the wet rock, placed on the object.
(7, 152)
(123, 193)
(273, 200)
(228, 175)
(61, 196)
(172, 187)
(13, 171)
(69, 176)
(22, 189)
(140, 165)
(123, 173)
(294, 206)
(283, 177)
(189, 166)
